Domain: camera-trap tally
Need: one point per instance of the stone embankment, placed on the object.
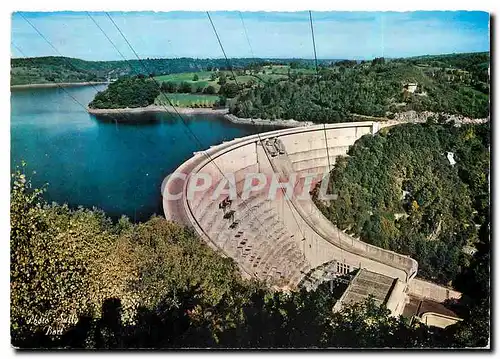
(401, 117)
(156, 108)
(58, 84)
(418, 117)
(267, 122)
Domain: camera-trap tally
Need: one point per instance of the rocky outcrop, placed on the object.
(267, 122)
(418, 117)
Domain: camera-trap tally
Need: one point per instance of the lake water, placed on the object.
(112, 165)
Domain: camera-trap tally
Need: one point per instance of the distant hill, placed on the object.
(52, 69)
(454, 84)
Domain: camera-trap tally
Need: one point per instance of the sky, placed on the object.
(338, 35)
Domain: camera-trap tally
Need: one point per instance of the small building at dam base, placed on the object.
(249, 199)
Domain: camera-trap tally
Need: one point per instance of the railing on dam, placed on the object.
(241, 153)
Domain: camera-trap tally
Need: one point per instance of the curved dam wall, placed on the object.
(283, 238)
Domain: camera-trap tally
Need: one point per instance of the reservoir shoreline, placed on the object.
(224, 112)
(403, 117)
(58, 84)
(117, 167)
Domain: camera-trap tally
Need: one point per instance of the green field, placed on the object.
(268, 73)
(283, 70)
(187, 100)
(203, 78)
(245, 78)
(195, 98)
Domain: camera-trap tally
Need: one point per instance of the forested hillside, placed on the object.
(398, 190)
(80, 281)
(130, 92)
(451, 84)
(455, 84)
(37, 70)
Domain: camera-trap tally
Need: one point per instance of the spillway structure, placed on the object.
(277, 234)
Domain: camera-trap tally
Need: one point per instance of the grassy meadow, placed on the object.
(186, 100)
(211, 78)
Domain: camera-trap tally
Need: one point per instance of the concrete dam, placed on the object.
(245, 198)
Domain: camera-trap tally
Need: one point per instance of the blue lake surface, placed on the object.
(99, 162)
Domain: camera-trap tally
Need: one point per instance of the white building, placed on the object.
(449, 155)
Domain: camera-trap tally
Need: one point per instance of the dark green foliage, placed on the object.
(221, 102)
(169, 87)
(222, 79)
(209, 90)
(398, 191)
(185, 87)
(229, 89)
(127, 92)
(37, 70)
(458, 86)
(80, 281)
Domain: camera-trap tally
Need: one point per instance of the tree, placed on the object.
(229, 89)
(222, 101)
(429, 213)
(127, 92)
(222, 79)
(53, 254)
(185, 87)
(169, 87)
(209, 90)
(348, 88)
(195, 77)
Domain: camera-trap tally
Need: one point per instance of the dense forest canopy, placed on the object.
(454, 84)
(80, 281)
(399, 191)
(36, 70)
(137, 91)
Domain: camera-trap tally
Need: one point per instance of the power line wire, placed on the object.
(258, 135)
(246, 35)
(313, 41)
(181, 118)
(131, 69)
(112, 43)
(140, 61)
(58, 85)
(297, 182)
(317, 78)
(324, 125)
(222, 48)
(267, 83)
(319, 89)
(121, 54)
(63, 57)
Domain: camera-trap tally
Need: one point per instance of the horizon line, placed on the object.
(256, 58)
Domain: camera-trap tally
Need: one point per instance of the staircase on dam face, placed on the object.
(332, 243)
(251, 232)
(261, 235)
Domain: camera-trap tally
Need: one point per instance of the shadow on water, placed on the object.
(131, 119)
(155, 118)
(194, 134)
(114, 163)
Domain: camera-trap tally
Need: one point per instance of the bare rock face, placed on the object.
(419, 117)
